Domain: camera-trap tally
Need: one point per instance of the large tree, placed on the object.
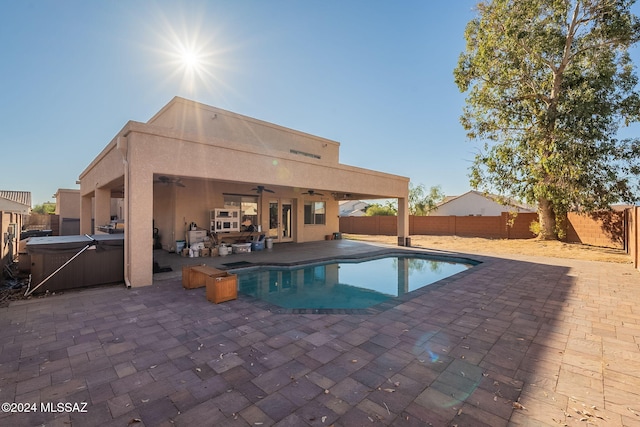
(549, 83)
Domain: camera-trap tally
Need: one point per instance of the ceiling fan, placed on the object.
(261, 188)
(313, 193)
(162, 179)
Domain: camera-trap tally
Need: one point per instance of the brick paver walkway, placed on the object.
(521, 341)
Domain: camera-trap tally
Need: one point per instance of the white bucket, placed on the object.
(269, 242)
(223, 250)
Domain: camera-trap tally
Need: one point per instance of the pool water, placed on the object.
(344, 284)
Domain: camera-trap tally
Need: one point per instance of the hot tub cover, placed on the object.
(52, 244)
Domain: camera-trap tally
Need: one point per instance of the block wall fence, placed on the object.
(600, 229)
(632, 234)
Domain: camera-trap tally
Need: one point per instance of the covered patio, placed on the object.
(191, 162)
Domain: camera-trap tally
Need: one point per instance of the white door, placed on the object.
(281, 220)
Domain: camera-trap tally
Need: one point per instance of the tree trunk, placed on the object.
(547, 220)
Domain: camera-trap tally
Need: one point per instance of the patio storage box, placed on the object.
(241, 248)
(194, 276)
(102, 263)
(222, 288)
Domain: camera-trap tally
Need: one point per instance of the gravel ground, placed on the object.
(531, 247)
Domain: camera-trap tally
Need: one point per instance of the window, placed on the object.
(315, 213)
(248, 206)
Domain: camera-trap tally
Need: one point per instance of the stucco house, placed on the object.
(353, 208)
(68, 211)
(15, 201)
(194, 164)
(15, 206)
(475, 203)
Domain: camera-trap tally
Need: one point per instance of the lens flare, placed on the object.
(188, 51)
(422, 349)
(432, 349)
(191, 60)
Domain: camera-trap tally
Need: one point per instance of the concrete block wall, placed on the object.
(597, 229)
(605, 229)
(493, 227)
(632, 244)
(479, 226)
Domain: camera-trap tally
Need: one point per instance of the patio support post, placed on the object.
(86, 207)
(139, 220)
(403, 221)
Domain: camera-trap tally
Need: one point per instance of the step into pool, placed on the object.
(345, 284)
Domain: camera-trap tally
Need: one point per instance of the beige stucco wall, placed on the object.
(68, 203)
(192, 118)
(104, 169)
(176, 207)
(68, 210)
(233, 161)
(9, 247)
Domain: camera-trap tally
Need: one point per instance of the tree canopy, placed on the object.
(549, 83)
(377, 209)
(45, 208)
(422, 202)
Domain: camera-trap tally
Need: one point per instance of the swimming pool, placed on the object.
(345, 284)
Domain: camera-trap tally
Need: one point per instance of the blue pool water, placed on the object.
(344, 284)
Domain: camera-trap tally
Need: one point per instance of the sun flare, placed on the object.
(193, 57)
(190, 59)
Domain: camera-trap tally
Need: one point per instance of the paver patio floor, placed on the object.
(512, 341)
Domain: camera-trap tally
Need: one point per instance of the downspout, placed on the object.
(123, 146)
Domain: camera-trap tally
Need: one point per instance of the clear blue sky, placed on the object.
(376, 76)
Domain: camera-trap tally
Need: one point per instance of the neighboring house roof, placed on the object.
(21, 197)
(446, 199)
(620, 208)
(495, 198)
(353, 208)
